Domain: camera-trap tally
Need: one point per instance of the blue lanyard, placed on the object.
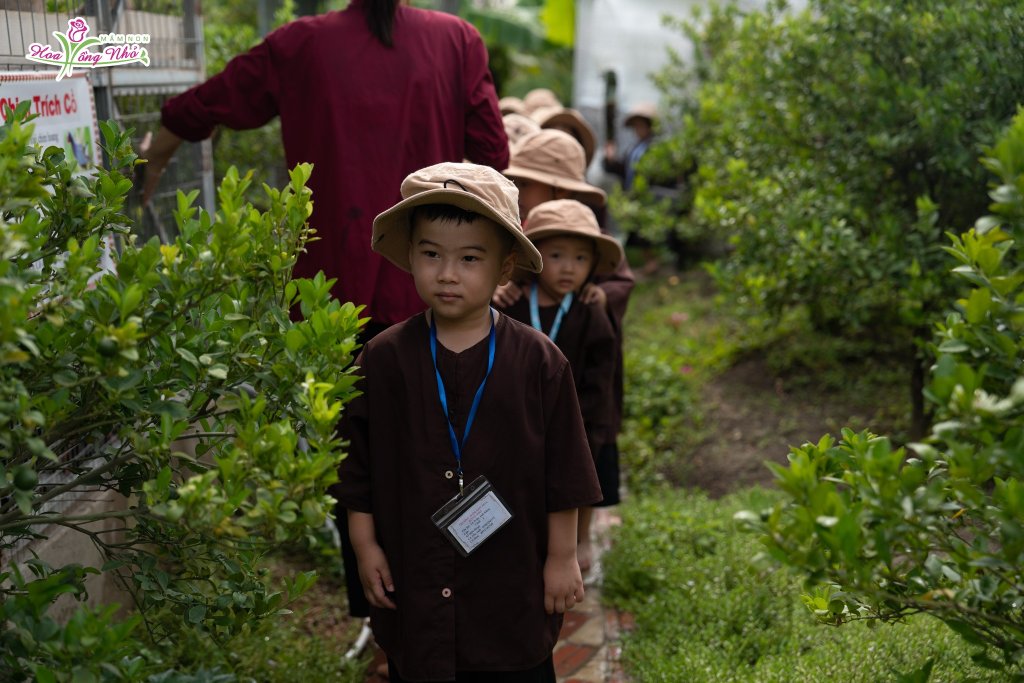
(535, 312)
(456, 446)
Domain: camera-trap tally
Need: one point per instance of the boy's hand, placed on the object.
(563, 584)
(506, 295)
(375, 576)
(592, 294)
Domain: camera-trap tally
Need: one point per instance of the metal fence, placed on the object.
(130, 94)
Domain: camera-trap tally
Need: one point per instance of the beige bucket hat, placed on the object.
(475, 188)
(643, 110)
(555, 158)
(568, 217)
(569, 121)
(540, 97)
(518, 126)
(511, 105)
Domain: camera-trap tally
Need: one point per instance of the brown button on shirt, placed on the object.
(587, 339)
(484, 612)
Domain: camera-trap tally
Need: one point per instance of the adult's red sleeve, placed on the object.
(486, 142)
(242, 96)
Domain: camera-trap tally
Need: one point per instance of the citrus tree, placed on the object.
(832, 148)
(180, 382)
(937, 527)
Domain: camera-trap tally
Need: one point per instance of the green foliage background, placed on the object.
(832, 148)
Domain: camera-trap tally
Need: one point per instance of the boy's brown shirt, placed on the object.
(484, 612)
(589, 342)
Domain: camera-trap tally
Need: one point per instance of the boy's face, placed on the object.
(567, 264)
(533, 192)
(457, 266)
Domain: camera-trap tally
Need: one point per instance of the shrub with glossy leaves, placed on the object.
(179, 381)
(938, 529)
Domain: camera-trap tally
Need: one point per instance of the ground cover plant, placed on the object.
(937, 528)
(711, 606)
(180, 383)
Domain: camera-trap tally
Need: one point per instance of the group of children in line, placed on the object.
(486, 429)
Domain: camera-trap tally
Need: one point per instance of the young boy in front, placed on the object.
(468, 457)
(574, 251)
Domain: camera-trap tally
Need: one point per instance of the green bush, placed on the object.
(939, 530)
(107, 379)
(709, 606)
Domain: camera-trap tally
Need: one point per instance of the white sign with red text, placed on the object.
(65, 109)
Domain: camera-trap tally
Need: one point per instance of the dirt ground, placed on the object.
(753, 416)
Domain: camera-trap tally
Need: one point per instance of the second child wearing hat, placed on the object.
(574, 250)
(452, 397)
(550, 165)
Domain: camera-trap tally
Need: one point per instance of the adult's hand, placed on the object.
(157, 150)
(592, 294)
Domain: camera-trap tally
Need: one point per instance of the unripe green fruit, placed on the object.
(108, 347)
(25, 478)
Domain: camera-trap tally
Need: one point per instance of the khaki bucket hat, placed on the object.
(568, 217)
(540, 97)
(470, 187)
(518, 126)
(569, 121)
(555, 158)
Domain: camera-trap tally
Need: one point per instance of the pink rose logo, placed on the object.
(77, 28)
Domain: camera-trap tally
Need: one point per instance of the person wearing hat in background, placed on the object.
(550, 165)
(518, 126)
(574, 250)
(468, 457)
(640, 119)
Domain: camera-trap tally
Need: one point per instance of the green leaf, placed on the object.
(965, 631)
(559, 19)
(187, 355)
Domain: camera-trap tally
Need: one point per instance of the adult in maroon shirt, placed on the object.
(368, 95)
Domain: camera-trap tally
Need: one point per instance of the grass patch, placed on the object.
(710, 607)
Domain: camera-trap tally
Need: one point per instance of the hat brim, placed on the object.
(572, 119)
(631, 117)
(392, 229)
(588, 194)
(610, 253)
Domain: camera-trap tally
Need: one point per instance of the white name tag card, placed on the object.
(469, 519)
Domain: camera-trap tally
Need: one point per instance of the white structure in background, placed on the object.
(627, 38)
